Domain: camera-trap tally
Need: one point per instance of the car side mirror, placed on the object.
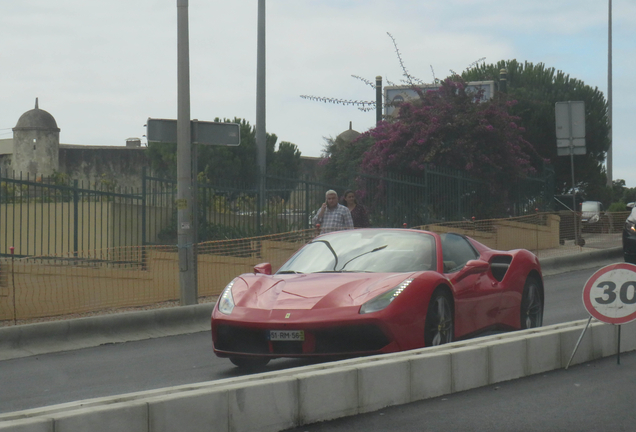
(263, 268)
(476, 266)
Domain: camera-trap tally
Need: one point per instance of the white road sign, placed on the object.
(570, 127)
(610, 294)
(201, 132)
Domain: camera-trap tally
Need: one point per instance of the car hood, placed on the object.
(314, 291)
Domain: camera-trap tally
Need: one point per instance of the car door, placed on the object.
(477, 294)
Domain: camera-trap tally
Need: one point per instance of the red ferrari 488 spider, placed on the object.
(371, 291)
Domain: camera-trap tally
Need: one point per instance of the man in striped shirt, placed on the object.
(333, 216)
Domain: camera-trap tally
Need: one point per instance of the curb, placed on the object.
(55, 336)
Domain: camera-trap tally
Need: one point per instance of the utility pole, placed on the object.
(185, 228)
(608, 164)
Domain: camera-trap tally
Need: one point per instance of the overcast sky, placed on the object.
(102, 67)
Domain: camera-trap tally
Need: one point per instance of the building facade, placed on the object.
(35, 152)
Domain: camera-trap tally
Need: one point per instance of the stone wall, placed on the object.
(120, 166)
(507, 234)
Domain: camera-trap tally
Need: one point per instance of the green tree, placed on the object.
(537, 88)
(286, 161)
(343, 159)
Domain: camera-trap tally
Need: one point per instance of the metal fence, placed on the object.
(33, 288)
(83, 282)
(438, 195)
(49, 216)
(52, 215)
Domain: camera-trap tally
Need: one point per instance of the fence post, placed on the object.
(459, 196)
(6, 206)
(15, 312)
(143, 217)
(260, 195)
(427, 217)
(75, 217)
(143, 207)
(536, 212)
(390, 208)
(307, 210)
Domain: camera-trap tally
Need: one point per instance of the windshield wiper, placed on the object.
(331, 249)
(362, 254)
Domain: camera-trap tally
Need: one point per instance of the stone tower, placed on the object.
(36, 144)
(349, 135)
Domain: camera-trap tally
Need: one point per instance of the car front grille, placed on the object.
(332, 341)
(241, 340)
(364, 338)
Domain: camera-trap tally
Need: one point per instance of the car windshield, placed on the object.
(377, 251)
(590, 206)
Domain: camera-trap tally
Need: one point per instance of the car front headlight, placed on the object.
(594, 219)
(383, 300)
(226, 300)
(630, 226)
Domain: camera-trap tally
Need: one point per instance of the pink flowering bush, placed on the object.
(451, 128)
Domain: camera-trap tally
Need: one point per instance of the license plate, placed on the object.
(287, 335)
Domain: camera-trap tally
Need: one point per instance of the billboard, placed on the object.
(396, 94)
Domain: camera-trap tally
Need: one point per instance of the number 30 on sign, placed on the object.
(610, 294)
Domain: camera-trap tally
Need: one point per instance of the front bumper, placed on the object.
(339, 331)
(629, 243)
(326, 341)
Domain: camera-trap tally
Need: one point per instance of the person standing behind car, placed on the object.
(358, 211)
(332, 216)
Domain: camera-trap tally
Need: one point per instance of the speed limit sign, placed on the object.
(610, 294)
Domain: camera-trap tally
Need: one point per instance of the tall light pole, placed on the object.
(260, 103)
(608, 164)
(185, 225)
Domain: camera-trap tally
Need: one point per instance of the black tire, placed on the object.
(531, 311)
(439, 327)
(250, 362)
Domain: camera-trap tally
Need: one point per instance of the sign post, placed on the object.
(570, 134)
(610, 296)
(205, 133)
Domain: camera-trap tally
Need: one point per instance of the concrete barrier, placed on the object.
(431, 374)
(279, 400)
(580, 260)
(340, 384)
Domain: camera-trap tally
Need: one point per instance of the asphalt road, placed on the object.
(55, 378)
(597, 396)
